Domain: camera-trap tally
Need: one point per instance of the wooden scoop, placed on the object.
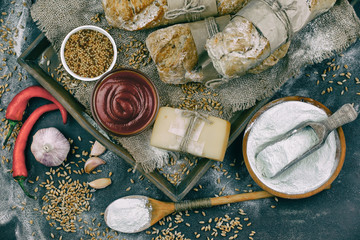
(162, 209)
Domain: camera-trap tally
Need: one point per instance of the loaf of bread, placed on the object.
(174, 52)
(238, 48)
(243, 47)
(134, 15)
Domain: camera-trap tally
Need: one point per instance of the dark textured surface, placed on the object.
(331, 214)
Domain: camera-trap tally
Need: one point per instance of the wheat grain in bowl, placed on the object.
(88, 52)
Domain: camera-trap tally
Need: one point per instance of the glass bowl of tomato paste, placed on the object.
(124, 102)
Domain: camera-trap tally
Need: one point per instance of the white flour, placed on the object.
(129, 215)
(306, 175)
(276, 156)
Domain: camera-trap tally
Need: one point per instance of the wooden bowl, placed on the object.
(339, 156)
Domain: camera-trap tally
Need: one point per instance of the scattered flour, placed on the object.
(306, 175)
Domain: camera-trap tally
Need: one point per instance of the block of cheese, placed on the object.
(207, 138)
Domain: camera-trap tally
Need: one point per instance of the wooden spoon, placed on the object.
(162, 209)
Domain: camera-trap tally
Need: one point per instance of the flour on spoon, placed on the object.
(129, 215)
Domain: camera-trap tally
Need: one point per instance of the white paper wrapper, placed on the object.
(178, 50)
(179, 127)
(133, 15)
(278, 20)
(202, 30)
(190, 10)
(238, 48)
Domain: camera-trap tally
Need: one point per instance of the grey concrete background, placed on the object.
(331, 214)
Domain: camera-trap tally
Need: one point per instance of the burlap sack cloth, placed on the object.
(328, 34)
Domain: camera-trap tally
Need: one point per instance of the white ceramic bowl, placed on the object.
(89, 27)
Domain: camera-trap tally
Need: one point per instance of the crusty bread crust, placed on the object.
(134, 14)
(273, 59)
(141, 14)
(230, 6)
(238, 48)
(174, 52)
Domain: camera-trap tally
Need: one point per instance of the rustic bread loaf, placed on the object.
(134, 14)
(174, 52)
(238, 48)
(140, 14)
(241, 47)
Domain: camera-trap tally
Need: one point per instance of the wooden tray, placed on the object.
(31, 61)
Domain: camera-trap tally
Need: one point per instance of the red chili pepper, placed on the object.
(17, 106)
(19, 166)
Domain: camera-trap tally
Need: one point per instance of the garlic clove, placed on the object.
(50, 147)
(93, 163)
(97, 149)
(100, 183)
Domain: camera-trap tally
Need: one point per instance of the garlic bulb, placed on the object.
(50, 147)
